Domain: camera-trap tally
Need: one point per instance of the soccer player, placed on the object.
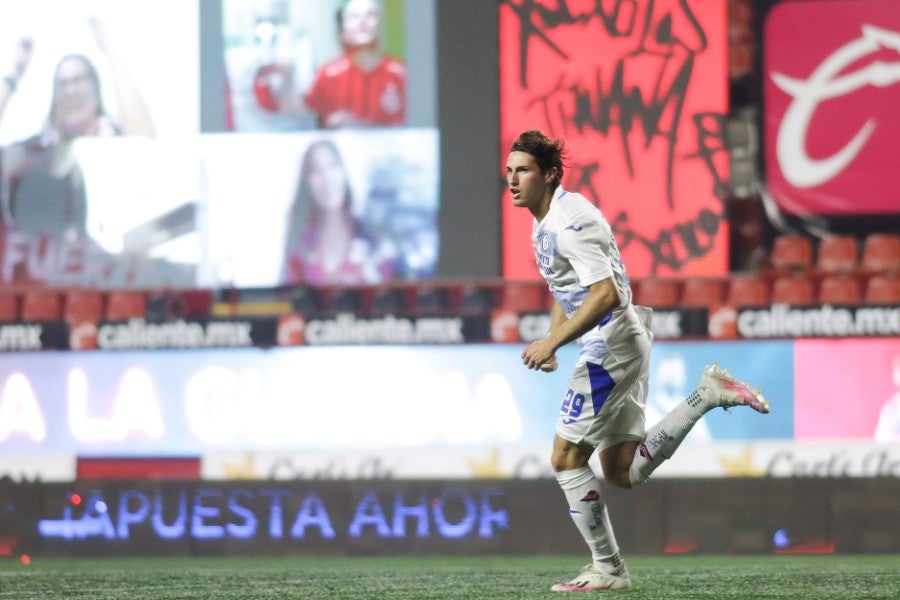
(603, 409)
(364, 86)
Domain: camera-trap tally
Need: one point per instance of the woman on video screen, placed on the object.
(330, 245)
(42, 189)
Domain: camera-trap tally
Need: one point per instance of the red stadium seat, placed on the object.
(792, 252)
(881, 253)
(525, 296)
(122, 305)
(9, 308)
(839, 289)
(882, 289)
(41, 306)
(82, 305)
(657, 292)
(837, 254)
(793, 289)
(702, 292)
(192, 304)
(747, 290)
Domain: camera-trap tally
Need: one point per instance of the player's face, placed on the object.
(529, 187)
(360, 23)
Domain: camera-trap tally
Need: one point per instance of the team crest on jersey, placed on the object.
(546, 243)
(545, 249)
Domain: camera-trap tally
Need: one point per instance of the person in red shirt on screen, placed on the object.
(365, 86)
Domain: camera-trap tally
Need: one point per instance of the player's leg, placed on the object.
(623, 428)
(616, 462)
(572, 448)
(581, 488)
(717, 388)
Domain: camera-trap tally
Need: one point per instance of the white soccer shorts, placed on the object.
(605, 402)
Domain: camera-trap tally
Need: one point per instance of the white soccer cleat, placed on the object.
(730, 391)
(592, 579)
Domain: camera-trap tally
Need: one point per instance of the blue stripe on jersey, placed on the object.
(602, 385)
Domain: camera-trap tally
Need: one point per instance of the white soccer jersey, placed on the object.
(574, 247)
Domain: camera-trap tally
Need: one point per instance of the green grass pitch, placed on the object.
(832, 577)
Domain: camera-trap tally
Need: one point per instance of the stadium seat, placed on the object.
(191, 303)
(839, 289)
(9, 308)
(480, 297)
(657, 292)
(881, 253)
(793, 289)
(702, 292)
(307, 300)
(82, 305)
(792, 252)
(159, 306)
(392, 299)
(41, 305)
(746, 291)
(525, 296)
(882, 289)
(837, 254)
(349, 299)
(436, 298)
(122, 305)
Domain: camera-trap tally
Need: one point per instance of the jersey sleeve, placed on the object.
(583, 243)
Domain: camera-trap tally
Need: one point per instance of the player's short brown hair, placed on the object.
(547, 153)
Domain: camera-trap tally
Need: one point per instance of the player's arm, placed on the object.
(557, 318)
(602, 298)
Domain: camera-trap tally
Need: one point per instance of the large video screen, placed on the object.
(242, 152)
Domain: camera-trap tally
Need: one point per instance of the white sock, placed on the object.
(664, 438)
(588, 511)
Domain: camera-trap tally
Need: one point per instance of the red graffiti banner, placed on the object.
(638, 89)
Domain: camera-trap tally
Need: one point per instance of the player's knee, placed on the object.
(567, 456)
(619, 478)
(561, 462)
(566, 461)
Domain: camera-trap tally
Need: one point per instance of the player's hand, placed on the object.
(550, 365)
(538, 354)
